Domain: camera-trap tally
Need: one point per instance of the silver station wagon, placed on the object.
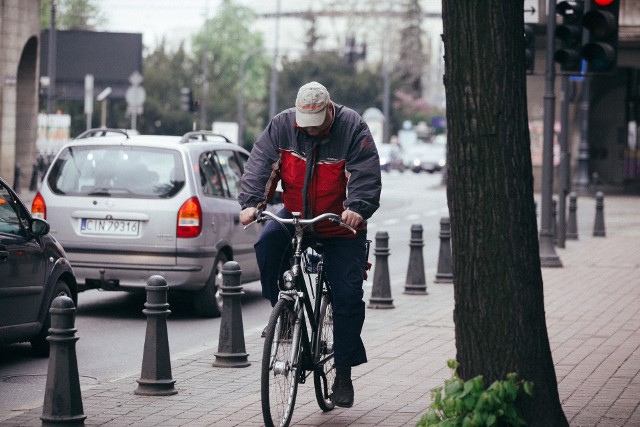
(127, 207)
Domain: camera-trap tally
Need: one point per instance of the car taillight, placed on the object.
(189, 219)
(38, 207)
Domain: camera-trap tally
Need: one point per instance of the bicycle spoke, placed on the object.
(279, 382)
(325, 374)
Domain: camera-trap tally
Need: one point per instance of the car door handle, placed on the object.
(4, 255)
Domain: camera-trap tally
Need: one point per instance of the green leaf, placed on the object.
(452, 387)
(491, 420)
(528, 387)
(510, 391)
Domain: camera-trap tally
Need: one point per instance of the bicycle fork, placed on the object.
(284, 367)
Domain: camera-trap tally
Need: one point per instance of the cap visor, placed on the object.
(308, 120)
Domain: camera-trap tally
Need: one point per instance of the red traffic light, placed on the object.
(601, 23)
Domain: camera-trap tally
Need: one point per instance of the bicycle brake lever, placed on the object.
(258, 217)
(342, 224)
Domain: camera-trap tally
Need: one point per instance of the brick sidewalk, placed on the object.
(593, 319)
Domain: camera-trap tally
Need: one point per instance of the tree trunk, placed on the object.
(499, 313)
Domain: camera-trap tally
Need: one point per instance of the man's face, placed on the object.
(319, 130)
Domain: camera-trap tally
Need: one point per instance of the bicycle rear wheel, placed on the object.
(280, 366)
(324, 374)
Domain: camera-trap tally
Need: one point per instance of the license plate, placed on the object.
(114, 227)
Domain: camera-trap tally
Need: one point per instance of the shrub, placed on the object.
(468, 403)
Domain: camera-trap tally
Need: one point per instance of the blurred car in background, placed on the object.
(427, 156)
(126, 207)
(391, 157)
(34, 270)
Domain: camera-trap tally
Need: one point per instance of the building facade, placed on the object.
(19, 74)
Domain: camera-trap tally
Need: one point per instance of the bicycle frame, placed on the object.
(300, 291)
(298, 338)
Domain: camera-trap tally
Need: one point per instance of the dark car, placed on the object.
(34, 269)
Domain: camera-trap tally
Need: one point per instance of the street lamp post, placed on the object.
(240, 118)
(548, 256)
(273, 87)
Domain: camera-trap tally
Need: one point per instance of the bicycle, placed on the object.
(299, 335)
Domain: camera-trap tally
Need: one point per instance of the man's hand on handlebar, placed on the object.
(351, 218)
(248, 215)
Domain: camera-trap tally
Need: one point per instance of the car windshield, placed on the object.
(117, 171)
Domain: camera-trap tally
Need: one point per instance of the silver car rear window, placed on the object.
(118, 171)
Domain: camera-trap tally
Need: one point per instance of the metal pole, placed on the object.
(103, 113)
(51, 66)
(205, 90)
(548, 256)
(240, 113)
(386, 94)
(581, 183)
(565, 163)
(273, 90)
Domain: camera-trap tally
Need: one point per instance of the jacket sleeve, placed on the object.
(363, 166)
(262, 171)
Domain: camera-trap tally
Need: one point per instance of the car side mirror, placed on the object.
(39, 227)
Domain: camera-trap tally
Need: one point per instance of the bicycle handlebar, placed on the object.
(264, 215)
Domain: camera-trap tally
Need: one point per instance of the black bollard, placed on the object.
(572, 222)
(444, 273)
(598, 225)
(16, 179)
(381, 290)
(231, 350)
(416, 284)
(155, 378)
(33, 185)
(62, 398)
(554, 220)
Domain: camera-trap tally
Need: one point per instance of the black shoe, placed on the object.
(343, 391)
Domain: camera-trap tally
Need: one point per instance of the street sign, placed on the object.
(135, 96)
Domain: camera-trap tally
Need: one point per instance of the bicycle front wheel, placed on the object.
(324, 374)
(280, 366)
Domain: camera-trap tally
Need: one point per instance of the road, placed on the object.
(111, 326)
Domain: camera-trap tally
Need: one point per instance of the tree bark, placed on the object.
(499, 315)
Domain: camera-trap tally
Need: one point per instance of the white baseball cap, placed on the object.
(311, 104)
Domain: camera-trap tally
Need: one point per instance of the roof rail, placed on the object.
(102, 132)
(191, 136)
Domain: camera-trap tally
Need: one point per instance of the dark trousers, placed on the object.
(344, 262)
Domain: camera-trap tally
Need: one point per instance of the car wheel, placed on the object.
(39, 343)
(208, 301)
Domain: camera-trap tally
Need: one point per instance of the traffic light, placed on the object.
(186, 99)
(601, 22)
(570, 35)
(530, 47)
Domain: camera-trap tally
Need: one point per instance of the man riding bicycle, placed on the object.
(326, 160)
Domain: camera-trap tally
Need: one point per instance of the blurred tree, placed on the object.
(412, 60)
(73, 15)
(165, 74)
(225, 46)
(499, 314)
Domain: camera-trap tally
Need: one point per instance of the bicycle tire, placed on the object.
(324, 374)
(279, 379)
